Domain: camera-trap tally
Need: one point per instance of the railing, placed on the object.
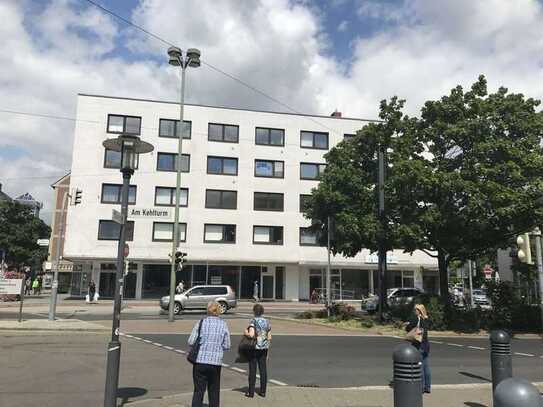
(339, 295)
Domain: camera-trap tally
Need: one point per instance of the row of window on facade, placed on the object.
(213, 233)
(227, 133)
(223, 165)
(214, 198)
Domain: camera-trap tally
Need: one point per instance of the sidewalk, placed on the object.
(59, 325)
(442, 396)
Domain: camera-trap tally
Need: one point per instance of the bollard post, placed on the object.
(407, 376)
(500, 357)
(515, 392)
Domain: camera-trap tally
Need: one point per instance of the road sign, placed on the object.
(43, 242)
(150, 213)
(126, 250)
(116, 216)
(11, 285)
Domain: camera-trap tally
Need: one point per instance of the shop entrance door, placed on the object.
(268, 286)
(107, 285)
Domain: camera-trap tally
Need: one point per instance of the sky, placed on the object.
(313, 56)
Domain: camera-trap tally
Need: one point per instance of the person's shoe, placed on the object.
(427, 391)
(249, 395)
(261, 394)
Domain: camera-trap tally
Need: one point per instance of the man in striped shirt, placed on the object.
(206, 372)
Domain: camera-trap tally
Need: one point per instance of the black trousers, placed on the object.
(258, 357)
(206, 376)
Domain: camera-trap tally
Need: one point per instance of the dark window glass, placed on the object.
(308, 237)
(219, 233)
(165, 196)
(222, 165)
(163, 232)
(123, 124)
(268, 168)
(265, 201)
(112, 159)
(311, 170)
(109, 230)
(170, 128)
(347, 136)
(167, 161)
(303, 202)
(214, 291)
(314, 139)
(219, 199)
(111, 193)
(268, 235)
(223, 132)
(272, 137)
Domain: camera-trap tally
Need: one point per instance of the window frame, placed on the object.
(314, 133)
(308, 244)
(124, 116)
(222, 158)
(223, 126)
(270, 234)
(172, 196)
(169, 240)
(119, 194)
(273, 170)
(176, 125)
(269, 137)
(221, 199)
(319, 173)
(349, 136)
(120, 158)
(268, 194)
(128, 238)
(222, 241)
(301, 207)
(175, 161)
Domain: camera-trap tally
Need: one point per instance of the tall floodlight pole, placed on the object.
(54, 285)
(129, 147)
(192, 59)
(382, 253)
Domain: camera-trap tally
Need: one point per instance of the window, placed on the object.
(214, 291)
(268, 235)
(267, 201)
(219, 233)
(167, 161)
(222, 165)
(170, 128)
(348, 136)
(218, 199)
(111, 193)
(303, 202)
(314, 139)
(112, 159)
(123, 124)
(109, 230)
(308, 237)
(165, 196)
(269, 137)
(270, 169)
(311, 170)
(163, 232)
(227, 133)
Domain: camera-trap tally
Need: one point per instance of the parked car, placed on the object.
(395, 297)
(480, 298)
(199, 296)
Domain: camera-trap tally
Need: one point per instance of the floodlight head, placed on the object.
(175, 54)
(193, 56)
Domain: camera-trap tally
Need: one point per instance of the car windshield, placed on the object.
(479, 292)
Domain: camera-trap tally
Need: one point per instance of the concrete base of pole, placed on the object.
(112, 373)
(53, 302)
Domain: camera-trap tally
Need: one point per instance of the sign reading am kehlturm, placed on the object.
(150, 213)
(10, 286)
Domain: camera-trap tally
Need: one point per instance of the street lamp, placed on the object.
(129, 147)
(192, 59)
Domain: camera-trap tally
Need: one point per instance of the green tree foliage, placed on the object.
(462, 178)
(19, 232)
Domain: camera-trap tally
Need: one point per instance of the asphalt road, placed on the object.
(341, 361)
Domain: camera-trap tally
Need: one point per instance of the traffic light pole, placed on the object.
(539, 269)
(382, 256)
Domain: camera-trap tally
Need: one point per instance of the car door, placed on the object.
(195, 298)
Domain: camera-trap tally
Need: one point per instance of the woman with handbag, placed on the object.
(417, 334)
(208, 341)
(259, 329)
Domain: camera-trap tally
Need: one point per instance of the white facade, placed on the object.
(88, 174)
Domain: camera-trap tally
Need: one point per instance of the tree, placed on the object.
(19, 232)
(464, 177)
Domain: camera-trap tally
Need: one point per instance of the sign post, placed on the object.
(23, 282)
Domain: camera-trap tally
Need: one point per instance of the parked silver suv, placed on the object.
(199, 296)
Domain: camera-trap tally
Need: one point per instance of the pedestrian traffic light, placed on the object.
(524, 251)
(180, 257)
(77, 196)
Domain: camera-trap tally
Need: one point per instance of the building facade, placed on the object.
(245, 176)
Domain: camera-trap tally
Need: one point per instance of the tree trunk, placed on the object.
(443, 276)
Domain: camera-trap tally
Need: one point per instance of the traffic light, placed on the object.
(180, 257)
(524, 253)
(77, 196)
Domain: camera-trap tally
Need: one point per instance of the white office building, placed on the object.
(245, 176)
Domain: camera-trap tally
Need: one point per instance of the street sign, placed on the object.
(150, 213)
(116, 216)
(126, 250)
(11, 285)
(43, 242)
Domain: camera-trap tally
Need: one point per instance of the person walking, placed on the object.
(214, 340)
(256, 291)
(28, 285)
(35, 286)
(420, 322)
(260, 329)
(180, 287)
(92, 290)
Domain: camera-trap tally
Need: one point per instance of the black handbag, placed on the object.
(194, 349)
(247, 344)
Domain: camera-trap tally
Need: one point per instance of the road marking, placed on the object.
(455, 344)
(147, 341)
(277, 382)
(524, 354)
(168, 347)
(225, 365)
(237, 369)
(438, 342)
(476, 347)
(157, 344)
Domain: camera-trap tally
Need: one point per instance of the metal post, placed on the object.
(539, 270)
(328, 270)
(54, 285)
(515, 392)
(382, 262)
(114, 346)
(22, 295)
(407, 376)
(500, 357)
(175, 240)
(470, 271)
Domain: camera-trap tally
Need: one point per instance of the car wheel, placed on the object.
(223, 307)
(177, 308)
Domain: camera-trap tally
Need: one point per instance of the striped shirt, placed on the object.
(214, 340)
